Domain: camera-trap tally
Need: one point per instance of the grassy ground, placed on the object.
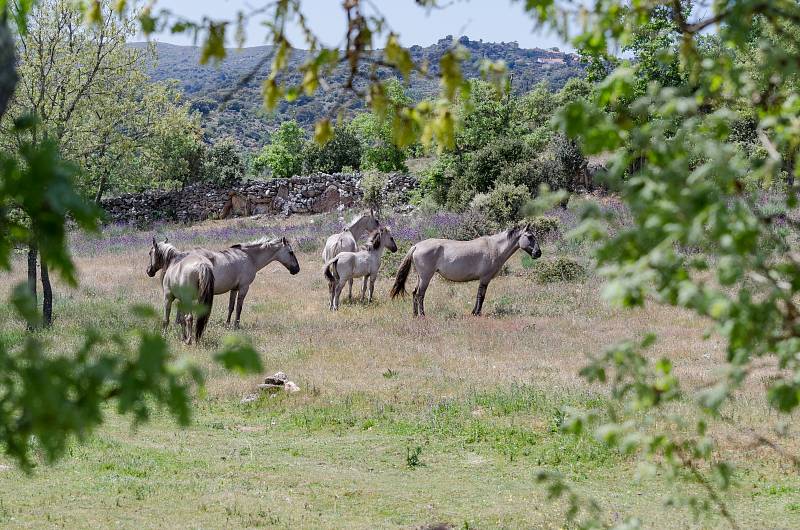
(400, 423)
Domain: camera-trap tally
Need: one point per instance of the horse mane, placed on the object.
(166, 251)
(513, 231)
(374, 240)
(356, 220)
(256, 243)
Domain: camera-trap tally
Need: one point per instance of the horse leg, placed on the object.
(231, 305)
(350, 296)
(364, 290)
(188, 319)
(239, 302)
(337, 294)
(479, 300)
(422, 286)
(371, 286)
(168, 299)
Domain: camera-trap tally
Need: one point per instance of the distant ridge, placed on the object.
(244, 119)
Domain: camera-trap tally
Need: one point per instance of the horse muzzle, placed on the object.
(537, 254)
(294, 270)
(151, 272)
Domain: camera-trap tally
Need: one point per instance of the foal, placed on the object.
(365, 263)
(346, 240)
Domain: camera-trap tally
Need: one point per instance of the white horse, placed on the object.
(364, 263)
(346, 240)
(463, 261)
(230, 270)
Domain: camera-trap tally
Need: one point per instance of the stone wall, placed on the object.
(315, 193)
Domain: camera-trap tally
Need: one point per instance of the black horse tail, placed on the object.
(205, 296)
(399, 287)
(330, 270)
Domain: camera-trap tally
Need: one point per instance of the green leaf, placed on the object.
(238, 355)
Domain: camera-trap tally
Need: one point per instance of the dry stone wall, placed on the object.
(315, 193)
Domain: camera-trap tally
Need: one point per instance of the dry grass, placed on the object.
(477, 394)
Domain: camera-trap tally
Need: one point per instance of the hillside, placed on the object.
(244, 118)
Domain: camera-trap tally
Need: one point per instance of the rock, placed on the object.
(291, 387)
(279, 378)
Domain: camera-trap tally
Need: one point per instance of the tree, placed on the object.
(375, 131)
(223, 163)
(39, 192)
(283, 156)
(343, 151)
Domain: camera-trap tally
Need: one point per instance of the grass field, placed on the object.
(399, 422)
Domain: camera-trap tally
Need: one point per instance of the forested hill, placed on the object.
(244, 119)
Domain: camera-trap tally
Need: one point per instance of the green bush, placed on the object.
(503, 205)
(544, 225)
(534, 173)
(372, 186)
(570, 157)
(560, 269)
(486, 164)
(473, 223)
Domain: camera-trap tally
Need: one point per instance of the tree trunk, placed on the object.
(101, 189)
(47, 297)
(32, 259)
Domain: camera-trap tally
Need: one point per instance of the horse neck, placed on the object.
(261, 256)
(506, 246)
(376, 254)
(171, 254)
(357, 227)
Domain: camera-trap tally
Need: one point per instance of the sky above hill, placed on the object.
(490, 20)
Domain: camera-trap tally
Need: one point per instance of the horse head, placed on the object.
(156, 258)
(285, 255)
(527, 241)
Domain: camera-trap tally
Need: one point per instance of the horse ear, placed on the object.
(154, 242)
(372, 213)
(166, 240)
(284, 241)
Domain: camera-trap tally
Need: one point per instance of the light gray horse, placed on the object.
(364, 263)
(233, 269)
(346, 240)
(463, 261)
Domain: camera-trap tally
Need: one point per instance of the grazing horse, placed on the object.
(365, 263)
(463, 261)
(234, 268)
(345, 241)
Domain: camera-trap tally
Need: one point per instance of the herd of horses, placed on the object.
(193, 277)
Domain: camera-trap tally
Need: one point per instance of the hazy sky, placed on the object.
(490, 20)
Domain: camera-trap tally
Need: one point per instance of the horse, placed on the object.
(345, 241)
(365, 263)
(462, 261)
(233, 269)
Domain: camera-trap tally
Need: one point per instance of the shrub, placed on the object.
(560, 269)
(372, 186)
(469, 225)
(486, 164)
(503, 205)
(534, 173)
(570, 157)
(544, 225)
